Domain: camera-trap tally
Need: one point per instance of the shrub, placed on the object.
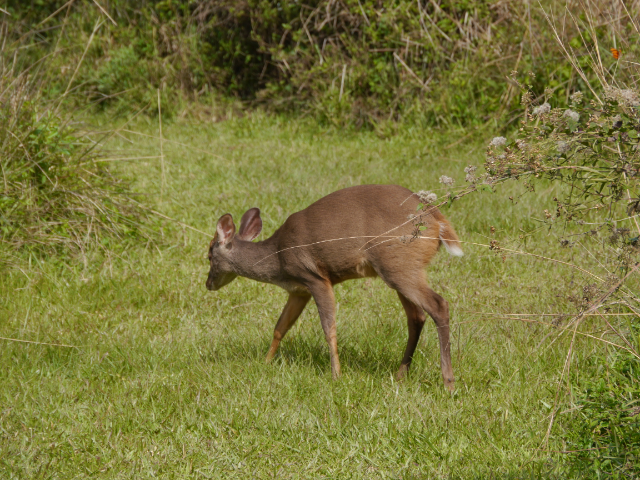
(591, 148)
(356, 62)
(587, 145)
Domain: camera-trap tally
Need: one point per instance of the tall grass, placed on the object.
(56, 189)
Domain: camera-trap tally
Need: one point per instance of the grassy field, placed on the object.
(166, 379)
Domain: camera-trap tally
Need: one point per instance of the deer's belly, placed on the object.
(360, 270)
(292, 286)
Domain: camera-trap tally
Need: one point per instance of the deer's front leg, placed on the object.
(292, 310)
(322, 292)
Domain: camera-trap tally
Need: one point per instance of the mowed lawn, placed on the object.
(165, 379)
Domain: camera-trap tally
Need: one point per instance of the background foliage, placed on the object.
(350, 62)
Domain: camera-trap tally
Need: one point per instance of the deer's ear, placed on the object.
(226, 229)
(250, 225)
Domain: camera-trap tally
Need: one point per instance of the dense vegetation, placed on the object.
(116, 364)
(364, 63)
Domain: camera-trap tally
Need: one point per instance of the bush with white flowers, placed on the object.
(593, 149)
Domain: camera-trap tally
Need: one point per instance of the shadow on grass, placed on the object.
(380, 358)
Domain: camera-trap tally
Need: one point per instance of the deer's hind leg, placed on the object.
(292, 310)
(412, 286)
(438, 309)
(415, 322)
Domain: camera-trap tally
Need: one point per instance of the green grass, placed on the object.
(169, 380)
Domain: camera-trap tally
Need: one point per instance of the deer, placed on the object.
(360, 231)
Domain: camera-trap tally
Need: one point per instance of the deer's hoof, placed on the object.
(449, 383)
(402, 373)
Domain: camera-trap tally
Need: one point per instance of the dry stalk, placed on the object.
(38, 343)
(66, 92)
(164, 179)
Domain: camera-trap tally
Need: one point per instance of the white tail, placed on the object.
(450, 240)
(352, 233)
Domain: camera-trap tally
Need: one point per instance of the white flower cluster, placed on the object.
(488, 180)
(576, 98)
(631, 97)
(627, 97)
(563, 147)
(542, 109)
(427, 197)
(446, 180)
(521, 144)
(499, 141)
(471, 173)
(575, 116)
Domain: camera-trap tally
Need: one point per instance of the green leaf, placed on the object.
(450, 202)
(419, 207)
(422, 228)
(486, 188)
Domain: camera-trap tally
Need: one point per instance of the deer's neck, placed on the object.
(258, 261)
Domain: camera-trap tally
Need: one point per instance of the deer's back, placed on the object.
(356, 231)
